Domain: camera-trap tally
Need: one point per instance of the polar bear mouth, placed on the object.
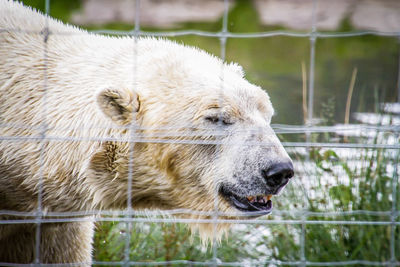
(260, 204)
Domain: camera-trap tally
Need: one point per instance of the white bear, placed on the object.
(82, 116)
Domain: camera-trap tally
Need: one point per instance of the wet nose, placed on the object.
(278, 175)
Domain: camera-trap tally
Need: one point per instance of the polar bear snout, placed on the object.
(255, 177)
(277, 176)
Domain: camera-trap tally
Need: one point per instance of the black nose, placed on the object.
(278, 175)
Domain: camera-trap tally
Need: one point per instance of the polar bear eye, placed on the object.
(218, 119)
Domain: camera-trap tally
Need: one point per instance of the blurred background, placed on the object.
(350, 180)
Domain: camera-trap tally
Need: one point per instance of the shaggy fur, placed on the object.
(76, 88)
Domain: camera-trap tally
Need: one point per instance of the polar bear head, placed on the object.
(202, 136)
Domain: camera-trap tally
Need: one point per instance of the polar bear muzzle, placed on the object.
(276, 178)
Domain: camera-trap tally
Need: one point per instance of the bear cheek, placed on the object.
(168, 165)
(169, 160)
(177, 162)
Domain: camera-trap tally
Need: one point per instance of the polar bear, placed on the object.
(91, 122)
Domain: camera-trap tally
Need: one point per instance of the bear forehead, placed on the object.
(231, 90)
(239, 100)
(198, 78)
(208, 90)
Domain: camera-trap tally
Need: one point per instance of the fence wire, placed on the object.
(299, 218)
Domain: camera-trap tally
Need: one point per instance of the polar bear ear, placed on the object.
(118, 104)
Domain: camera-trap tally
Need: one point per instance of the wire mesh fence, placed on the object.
(342, 208)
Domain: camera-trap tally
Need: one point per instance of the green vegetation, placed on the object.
(160, 242)
(149, 242)
(60, 9)
(366, 185)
